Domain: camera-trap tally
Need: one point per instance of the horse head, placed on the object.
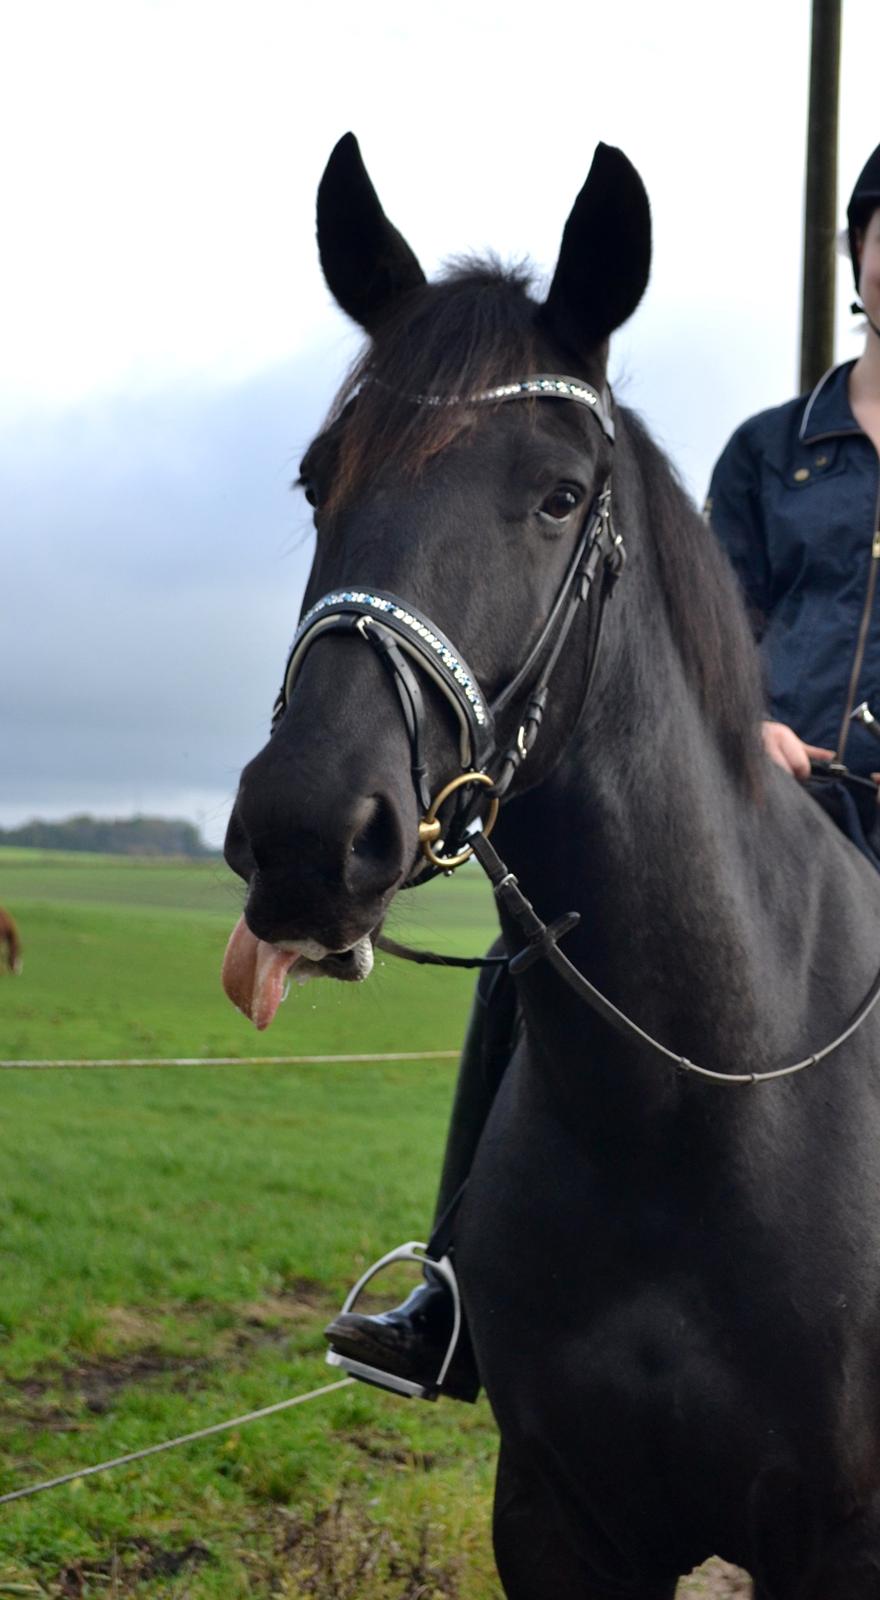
(450, 527)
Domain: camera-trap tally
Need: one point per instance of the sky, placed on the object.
(168, 347)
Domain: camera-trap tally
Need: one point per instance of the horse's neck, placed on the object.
(699, 906)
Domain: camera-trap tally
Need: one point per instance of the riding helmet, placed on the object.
(864, 201)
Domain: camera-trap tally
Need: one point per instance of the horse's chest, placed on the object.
(635, 1416)
(640, 1322)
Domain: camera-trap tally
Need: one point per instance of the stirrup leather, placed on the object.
(413, 1251)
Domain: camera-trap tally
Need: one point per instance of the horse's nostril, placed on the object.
(236, 849)
(375, 854)
(377, 837)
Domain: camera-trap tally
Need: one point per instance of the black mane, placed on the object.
(707, 618)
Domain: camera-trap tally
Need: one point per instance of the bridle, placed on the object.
(403, 636)
(400, 634)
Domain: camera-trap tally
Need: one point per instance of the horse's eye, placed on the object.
(310, 492)
(561, 503)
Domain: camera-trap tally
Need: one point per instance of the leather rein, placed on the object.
(400, 635)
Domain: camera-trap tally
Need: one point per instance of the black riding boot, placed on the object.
(412, 1340)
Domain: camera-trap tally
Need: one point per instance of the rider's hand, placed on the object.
(783, 746)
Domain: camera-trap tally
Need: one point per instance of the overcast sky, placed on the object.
(167, 346)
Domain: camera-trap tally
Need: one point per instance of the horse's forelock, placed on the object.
(469, 331)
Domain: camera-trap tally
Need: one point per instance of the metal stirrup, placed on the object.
(413, 1251)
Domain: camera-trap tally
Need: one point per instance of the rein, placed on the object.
(542, 945)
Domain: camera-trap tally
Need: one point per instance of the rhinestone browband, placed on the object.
(539, 387)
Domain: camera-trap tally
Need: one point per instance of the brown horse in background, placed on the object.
(10, 943)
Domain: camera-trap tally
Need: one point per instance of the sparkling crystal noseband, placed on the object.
(423, 642)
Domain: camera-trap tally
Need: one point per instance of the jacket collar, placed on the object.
(827, 411)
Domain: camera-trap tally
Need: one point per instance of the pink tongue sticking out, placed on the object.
(254, 974)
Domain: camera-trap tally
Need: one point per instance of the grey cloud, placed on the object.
(154, 563)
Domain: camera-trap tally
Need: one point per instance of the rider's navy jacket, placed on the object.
(794, 501)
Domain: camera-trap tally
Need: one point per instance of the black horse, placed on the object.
(672, 1285)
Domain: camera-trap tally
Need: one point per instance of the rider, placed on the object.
(795, 500)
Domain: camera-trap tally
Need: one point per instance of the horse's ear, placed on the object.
(366, 262)
(605, 256)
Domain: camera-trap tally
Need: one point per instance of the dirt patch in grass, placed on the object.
(90, 1384)
(339, 1553)
(394, 1455)
(45, 1418)
(97, 1379)
(306, 1292)
(129, 1326)
(132, 1563)
(279, 1317)
(98, 1382)
(300, 1301)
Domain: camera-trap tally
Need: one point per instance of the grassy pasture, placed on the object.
(122, 958)
(172, 1241)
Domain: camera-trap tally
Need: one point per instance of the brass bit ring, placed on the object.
(429, 827)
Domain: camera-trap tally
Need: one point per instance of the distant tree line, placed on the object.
(121, 836)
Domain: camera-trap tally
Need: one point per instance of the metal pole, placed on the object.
(820, 212)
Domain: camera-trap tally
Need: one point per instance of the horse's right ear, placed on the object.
(605, 256)
(366, 262)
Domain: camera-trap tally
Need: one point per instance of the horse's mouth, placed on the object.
(349, 966)
(256, 974)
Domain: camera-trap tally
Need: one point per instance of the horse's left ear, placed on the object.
(605, 257)
(366, 262)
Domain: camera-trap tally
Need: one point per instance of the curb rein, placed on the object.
(397, 631)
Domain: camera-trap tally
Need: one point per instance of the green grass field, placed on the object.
(173, 1240)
